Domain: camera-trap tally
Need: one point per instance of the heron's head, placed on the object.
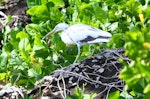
(58, 27)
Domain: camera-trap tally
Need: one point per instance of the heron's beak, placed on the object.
(53, 31)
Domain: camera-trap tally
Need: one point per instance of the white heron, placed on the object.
(80, 34)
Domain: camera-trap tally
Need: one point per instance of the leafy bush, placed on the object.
(25, 58)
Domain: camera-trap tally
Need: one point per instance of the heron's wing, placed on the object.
(81, 33)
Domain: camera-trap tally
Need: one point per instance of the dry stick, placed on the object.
(64, 86)
(124, 58)
(60, 89)
(105, 63)
(108, 92)
(2, 20)
(17, 90)
(117, 54)
(86, 79)
(106, 87)
(3, 14)
(102, 76)
(115, 66)
(115, 62)
(56, 63)
(89, 67)
(86, 74)
(114, 76)
(116, 82)
(47, 87)
(118, 88)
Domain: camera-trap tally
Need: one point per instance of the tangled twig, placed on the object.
(100, 71)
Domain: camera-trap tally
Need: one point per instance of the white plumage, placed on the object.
(80, 34)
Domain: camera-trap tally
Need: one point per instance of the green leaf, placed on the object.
(9, 18)
(130, 75)
(100, 14)
(2, 76)
(147, 96)
(114, 95)
(38, 69)
(114, 26)
(86, 12)
(15, 59)
(71, 97)
(37, 41)
(22, 35)
(147, 89)
(125, 95)
(117, 40)
(31, 3)
(79, 93)
(90, 96)
(55, 14)
(32, 29)
(25, 55)
(39, 13)
(3, 61)
(147, 12)
(74, 16)
(58, 3)
(32, 73)
(41, 52)
(23, 44)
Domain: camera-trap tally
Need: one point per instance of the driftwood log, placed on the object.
(99, 73)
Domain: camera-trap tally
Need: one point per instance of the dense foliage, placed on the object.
(25, 58)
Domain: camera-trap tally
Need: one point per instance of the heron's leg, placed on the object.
(78, 45)
(93, 50)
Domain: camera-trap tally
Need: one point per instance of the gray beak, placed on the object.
(53, 31)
